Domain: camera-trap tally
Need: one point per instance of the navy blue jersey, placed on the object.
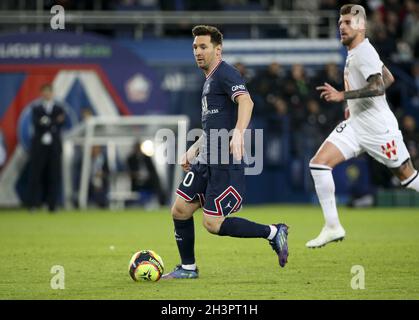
(219, 109)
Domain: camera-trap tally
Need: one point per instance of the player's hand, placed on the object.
(330, 94)
(237, 145)
(347, 113)
(187, 158)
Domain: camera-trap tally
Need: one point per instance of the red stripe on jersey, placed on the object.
(213, 70)
(238, 93)
(183, 195)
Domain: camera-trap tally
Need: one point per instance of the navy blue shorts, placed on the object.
(220, 191)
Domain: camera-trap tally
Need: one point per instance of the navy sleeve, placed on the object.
(233, 83)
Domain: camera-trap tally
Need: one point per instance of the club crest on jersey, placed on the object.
(207, 87)
(390, 150)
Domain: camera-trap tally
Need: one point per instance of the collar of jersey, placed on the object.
(213, 70)
(359, 45)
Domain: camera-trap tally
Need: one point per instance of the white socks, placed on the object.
(325, 188)
(273, 232)
(412, 182)
(191, 267)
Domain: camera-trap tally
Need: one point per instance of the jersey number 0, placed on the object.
(187, 181)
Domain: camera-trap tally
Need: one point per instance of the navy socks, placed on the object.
(185, 239)
(233, 227)
(242, 228)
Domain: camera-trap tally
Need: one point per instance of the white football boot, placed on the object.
(327, 235)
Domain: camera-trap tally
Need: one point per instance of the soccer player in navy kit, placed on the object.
(210, 183)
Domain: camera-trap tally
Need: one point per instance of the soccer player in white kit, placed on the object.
(370, 125)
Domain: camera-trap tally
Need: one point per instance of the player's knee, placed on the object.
(212, 225)
(178, 214)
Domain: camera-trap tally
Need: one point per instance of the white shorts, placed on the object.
(388, 149)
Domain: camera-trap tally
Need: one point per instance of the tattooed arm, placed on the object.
(375, 87)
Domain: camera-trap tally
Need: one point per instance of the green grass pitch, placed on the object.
(94, 247)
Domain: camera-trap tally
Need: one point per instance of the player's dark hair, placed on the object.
(213, 32)
(353, 9)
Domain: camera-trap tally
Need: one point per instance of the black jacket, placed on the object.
(43, 123)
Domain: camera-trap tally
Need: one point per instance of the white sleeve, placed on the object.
(369, 63)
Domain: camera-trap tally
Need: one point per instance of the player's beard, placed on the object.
(203, 65)
(348, 40)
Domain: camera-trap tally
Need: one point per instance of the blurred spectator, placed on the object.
(394, 29)
(385, 46)
(244, 72)
(334, 76)
(280, 107)
(375, 23)
(3, 153)
(415, 75)
(99, 177)
(330, 74)
(411, 25)
(270, 80)
(317, 119)
(277, 114)
(143, 174)
(316, 126)
(48, 117)
(414, 91)
(411, 138)
(297, 90)
(266, 86)
(393, 5)
(300, 83)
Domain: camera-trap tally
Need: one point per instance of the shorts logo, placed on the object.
(228, 206)
(390, 149)
(228, 202)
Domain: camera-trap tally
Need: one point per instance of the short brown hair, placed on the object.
(213, 32)
(353, 9)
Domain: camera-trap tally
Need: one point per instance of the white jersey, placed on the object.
(367, 115)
